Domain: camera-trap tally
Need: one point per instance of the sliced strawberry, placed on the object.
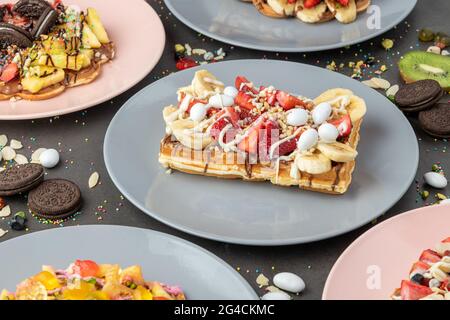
(308, 4)
(420, 267)
(344, 126)
(192, 103)
(446, 240)
(185, 63)
(272, 98)
(9, 72)
(243, 100)
(219, 125)
(292, 1)
(430, 257)
(288, 101)
(250, 143)
(240, 82)
(343, 2)
(412, 291)
(269, 136)
(287, 147)
(445, 285)
(212, 111)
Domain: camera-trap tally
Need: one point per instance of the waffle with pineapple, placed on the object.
(263, 134)
(49, 47)
(87, 280)
(312, 11)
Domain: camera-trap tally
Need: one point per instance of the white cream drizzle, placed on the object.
(274, 146)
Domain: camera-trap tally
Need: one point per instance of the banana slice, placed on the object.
(357, 108)
(315, 163)
(362, 5)
(264, 8)
(170, 114)
(344, 14)
(338, 152)
(282, 7)
(317, 14)
(205, 84)
(181, 129)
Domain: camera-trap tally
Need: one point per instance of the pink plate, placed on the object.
(374, 265)
(139, 37)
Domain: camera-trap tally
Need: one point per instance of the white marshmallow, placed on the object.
(308, 140)
(297, 117)
(321, 113)
(328, 132)
(231, 92)
(198, 112)
(49, 158)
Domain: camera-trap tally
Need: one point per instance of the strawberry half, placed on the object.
(344, 126)
(308, 4)
(269, 136)
(430, 257)
(412, 291)
(240, 80)
(219, 125)
(343, 2)
(288, 101)
(243, 100)
(250, 143)
(9, 72)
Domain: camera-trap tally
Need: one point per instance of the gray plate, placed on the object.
(162, 257)
(240, 24)
(259, 213)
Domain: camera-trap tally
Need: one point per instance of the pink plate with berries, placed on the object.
(139, 43)
(375, 265)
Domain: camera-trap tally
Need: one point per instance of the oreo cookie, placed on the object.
(55, 199)
(32, 9)
(47, 20)
(13, 35)
(436, 121)
(20, 178)
(419, 95)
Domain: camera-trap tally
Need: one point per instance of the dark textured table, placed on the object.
(80, 136)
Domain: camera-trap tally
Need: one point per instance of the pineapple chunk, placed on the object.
(96, 25)
(64, 61)
(41, 77)
(54, 45)
(89, 39)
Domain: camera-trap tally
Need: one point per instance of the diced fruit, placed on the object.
(9, 72)
(308, 4)
(269, 136)
(412, 291)
(48, 279)
(344, 126)
(288, 101)
(96, 25)
(159, 293)
(34, 83)
(446, 240)
(185, 63)
(143, 293)
(54, 45)
(240, 80)
(83, 292)
(87, 268)
(287, 147)
(430, 257)
(218, 126)
(419, 266)
(243, 100)
(133, 274)
(343, 2)
(64, 61)
(250, 143)
(89, 39)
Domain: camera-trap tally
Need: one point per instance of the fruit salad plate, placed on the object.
(239, 23)
(259, 213)
(63, 57)
(401, 258)
(169, 260)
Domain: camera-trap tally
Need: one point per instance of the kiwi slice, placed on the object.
(419, 65)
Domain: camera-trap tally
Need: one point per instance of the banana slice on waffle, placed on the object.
(282, 7)
(264, 8)
(337, 151)
(315, 163)
(205, 85)
(319, 13)
(344, 14)
(355, 106)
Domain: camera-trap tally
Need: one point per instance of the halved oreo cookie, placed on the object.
(419, 95)
(55, 199)
(436, 121)
(47, 20)
(31, 8)
(13, 35)
(20, 178)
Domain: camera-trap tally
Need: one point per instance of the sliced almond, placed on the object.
(272, 289)
(3, 140)
(8, 153)
(392, 91)
(93, 180)
(262, 281)
(20, 159)
(5, 212)
(35, 156)
(3, 232)
(16, 144)
(381, 83)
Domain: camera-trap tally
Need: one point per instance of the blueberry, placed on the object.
(417, 278)
(18, 223)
